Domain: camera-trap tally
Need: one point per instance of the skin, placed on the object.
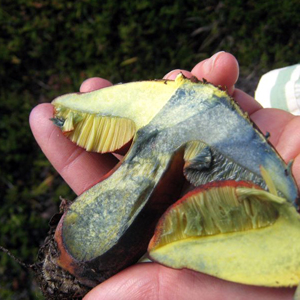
(82, 170)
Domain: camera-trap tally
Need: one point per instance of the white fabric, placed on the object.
(280, 89)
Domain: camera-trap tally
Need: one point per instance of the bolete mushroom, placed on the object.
(183, 134)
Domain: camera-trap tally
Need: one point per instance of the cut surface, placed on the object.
(107, 119)
(214, 210)
(232, 231)
(95, 132)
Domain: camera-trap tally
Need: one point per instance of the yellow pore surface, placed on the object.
(234, 234)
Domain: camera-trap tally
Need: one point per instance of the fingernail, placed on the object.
(209, 64)
(171, 75)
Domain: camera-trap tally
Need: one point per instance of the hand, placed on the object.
(82, 170)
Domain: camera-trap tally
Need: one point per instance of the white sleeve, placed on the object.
(280, 88)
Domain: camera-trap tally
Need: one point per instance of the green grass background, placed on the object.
(48, 48)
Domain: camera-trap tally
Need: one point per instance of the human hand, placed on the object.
(82, 170)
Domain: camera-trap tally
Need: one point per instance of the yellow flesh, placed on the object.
(107, 119)
(267, 254)
(97, 133)
(214, 212)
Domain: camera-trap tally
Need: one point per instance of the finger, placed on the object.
(80, 169)
(94, 83)
(221, 69)
(284, 134)
(173, 74)
(153, 281)
(272, 121)
(246, 102)
(288, 144)
(282, 126)
(296, 170)
(218, 77)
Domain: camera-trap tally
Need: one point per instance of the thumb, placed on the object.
(153, 281)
